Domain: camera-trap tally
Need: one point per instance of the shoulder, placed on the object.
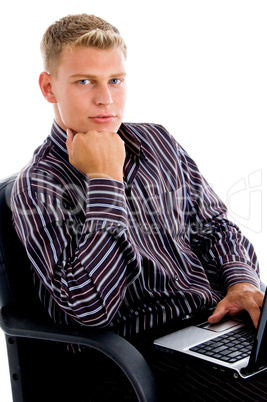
(40, 172)
(157, 137)
(147, 129)
(151, 135)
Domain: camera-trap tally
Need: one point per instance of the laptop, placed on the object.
(232, 345)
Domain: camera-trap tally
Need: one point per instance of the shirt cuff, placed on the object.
(234, 273)
(106, 203)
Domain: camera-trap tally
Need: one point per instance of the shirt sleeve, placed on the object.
(85, 263)
(226, 254)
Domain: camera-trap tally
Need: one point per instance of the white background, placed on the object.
(197, 67)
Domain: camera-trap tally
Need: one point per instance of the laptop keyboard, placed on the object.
(230, 347)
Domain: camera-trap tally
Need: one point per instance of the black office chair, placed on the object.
(37, 347)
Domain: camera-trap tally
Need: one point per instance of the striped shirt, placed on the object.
(131, 255)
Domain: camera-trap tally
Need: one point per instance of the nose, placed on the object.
(103, 96)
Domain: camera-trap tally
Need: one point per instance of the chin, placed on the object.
(112, 127)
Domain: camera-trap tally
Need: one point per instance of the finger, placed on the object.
(254, 315)
(253, 308)
(218, 313)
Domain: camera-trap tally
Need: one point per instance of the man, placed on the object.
(120, 226)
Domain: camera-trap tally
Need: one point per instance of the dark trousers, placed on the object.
(88, 376)
(177, 381)
(182, 381)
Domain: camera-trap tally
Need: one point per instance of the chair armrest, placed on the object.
(124, 354)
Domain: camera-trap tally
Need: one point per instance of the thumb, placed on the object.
(218, 314)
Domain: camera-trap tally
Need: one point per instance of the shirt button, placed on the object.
(176, 278)
(147, 231)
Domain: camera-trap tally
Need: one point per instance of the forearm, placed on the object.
(218, 242)
(233, 255)
(92, 284)
(228, 253)
(234, 273)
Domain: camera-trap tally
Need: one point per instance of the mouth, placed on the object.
(103, 118)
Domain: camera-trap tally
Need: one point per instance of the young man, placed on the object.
(120, 226)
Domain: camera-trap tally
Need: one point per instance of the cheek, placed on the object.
(74, 115)
(121, 99)
(70, 107)
(67, 115)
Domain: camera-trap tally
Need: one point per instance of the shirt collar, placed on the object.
(132, 142)
(59, 137)
(126, 132)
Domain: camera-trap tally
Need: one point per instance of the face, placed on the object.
(89, 90)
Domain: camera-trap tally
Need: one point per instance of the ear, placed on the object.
(45, 83)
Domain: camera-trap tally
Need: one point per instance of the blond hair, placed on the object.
(78, 30)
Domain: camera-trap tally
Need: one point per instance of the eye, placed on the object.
(115, 81)
(84, 82)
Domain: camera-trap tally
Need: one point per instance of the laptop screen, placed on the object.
(258, 356)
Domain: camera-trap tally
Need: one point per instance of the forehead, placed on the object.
(91, 60)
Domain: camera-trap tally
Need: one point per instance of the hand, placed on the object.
(242, 296)
(98, 154)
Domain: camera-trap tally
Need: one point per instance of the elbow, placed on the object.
(99, 321)
(99, 317)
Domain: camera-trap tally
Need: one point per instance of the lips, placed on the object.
(103, 118)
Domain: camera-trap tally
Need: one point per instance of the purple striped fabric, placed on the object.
(131, 255)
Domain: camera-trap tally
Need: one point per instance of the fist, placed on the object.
(97, 154)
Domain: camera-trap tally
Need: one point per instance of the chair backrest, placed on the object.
(16, 284)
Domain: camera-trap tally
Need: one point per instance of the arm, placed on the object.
(82, 256)
(83, 260)
(228, 257)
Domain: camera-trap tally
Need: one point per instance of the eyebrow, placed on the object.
(94, 77)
